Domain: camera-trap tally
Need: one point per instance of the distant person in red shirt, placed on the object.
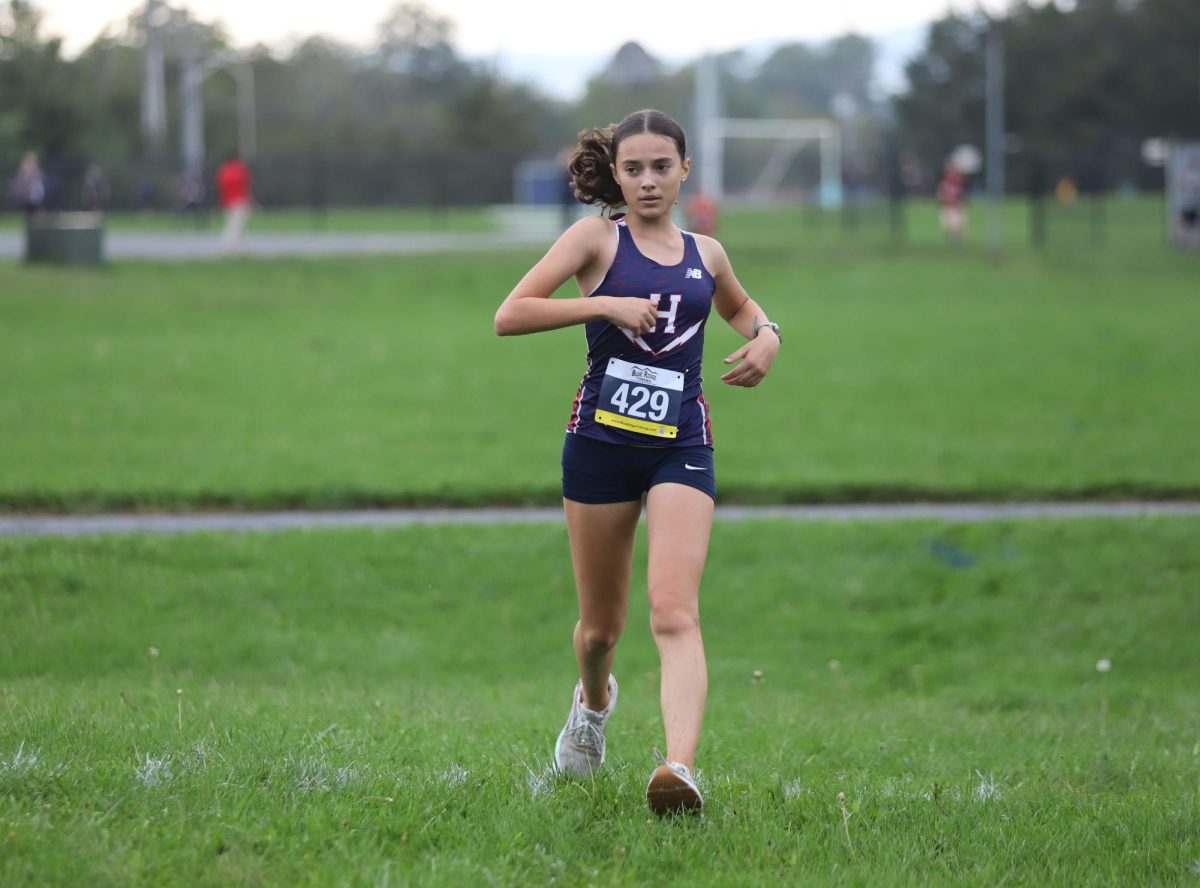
(952, 196)
(233, 193)
(702, 215)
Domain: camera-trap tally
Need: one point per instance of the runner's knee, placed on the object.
(600, 639)
(673, 618)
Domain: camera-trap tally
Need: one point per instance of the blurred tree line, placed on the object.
(1087, 81)
(408, 121)
(411, 120)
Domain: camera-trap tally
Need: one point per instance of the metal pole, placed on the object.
(708, 102)
(192, 122)
(994, 63)
(831, 168)
(154, 113)
(247, 133)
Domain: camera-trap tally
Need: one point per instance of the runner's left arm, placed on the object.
(753, 360)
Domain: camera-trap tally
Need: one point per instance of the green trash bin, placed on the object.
(65, 239)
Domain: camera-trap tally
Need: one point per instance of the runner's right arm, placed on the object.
(529, 308)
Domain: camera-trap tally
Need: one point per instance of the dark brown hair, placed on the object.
(590, 165)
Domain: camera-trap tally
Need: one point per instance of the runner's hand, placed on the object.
(756, 357)
(638, 316)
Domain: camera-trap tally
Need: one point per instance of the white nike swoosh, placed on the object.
(694, 468)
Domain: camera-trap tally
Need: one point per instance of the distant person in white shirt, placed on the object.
(28, 186)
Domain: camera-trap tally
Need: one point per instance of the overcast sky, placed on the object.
(538, 39)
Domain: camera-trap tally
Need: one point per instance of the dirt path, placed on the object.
(86, 525)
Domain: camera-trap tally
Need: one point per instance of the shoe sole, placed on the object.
(668, 793)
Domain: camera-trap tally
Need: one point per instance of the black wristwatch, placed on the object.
(758, 326)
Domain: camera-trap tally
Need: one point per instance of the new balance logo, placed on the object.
(693, 273)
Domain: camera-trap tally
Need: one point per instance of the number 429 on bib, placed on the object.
(640, 398)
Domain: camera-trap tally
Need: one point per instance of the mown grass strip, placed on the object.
(933, 374)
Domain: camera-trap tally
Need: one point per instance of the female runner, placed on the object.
(639, 425)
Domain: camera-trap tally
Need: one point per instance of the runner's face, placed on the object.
(650, 173)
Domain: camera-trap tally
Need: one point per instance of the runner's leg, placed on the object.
(602, 554)
(679, 520)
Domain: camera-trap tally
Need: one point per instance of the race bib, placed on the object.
(640, 398)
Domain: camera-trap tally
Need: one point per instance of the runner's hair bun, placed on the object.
(591, 169)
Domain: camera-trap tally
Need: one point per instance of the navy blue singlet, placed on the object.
(683, 294)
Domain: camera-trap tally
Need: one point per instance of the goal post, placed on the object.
(791, 135)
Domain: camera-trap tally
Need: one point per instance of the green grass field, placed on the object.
(378, 708)
(368, 708)
(930, 372)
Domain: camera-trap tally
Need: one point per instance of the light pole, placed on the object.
(195, 66)
(994, 76)
(154, 104)
(708, 114)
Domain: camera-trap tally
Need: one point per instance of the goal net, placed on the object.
(769, 161)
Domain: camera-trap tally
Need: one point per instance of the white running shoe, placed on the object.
(580, 747)
(673, 790)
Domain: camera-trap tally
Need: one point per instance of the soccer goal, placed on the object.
(760, 161)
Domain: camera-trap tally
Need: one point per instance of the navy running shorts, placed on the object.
(600, 472)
